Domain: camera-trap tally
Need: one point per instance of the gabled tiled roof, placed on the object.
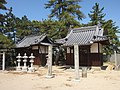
(31, 40)
(83, 36)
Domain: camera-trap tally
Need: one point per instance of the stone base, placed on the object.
(84, 72)
(24, 69)
(76, 80)
(31, 69)
(18, 69)
(96, 68)
(49, 76)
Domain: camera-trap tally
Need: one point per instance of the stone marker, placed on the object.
(76, 59)
(18, 60)
(49, 74)
(24, 68)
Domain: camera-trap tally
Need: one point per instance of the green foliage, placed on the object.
(5, 42)
(60, 7)
(9, 23)
(12, 23)
(110, 29)
(96, 15)
(67, 12)
(23, 27)
(2, 6)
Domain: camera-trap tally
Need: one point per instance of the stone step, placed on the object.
(96, 68)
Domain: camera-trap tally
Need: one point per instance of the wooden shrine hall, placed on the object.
(90, 41)
(38, 45)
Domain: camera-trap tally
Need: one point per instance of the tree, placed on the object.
(67, 12)
(4, 41)
(24, 27)
(96, 15)
(10, 21)
(110, 29)
(60, 7)
(2, 7)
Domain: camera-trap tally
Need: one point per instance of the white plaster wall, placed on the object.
(101, 48)
(94, 48)
(34, 47)
(68, 50)
(43, 49)
(71, 50)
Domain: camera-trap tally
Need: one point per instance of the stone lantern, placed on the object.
(18, 60)
(24, 68)
(31, 69)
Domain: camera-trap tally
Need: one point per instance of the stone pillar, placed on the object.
(76, 61)
(115, 60)
(3, 61)
(84, 72)
(31, 69)
(49, 74)
(24, 68)
(18, 60)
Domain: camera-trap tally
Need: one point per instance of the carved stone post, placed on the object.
(31, 69)
(3, 62)
(116, 68)
(18, 60)
(24, 68)
(49, 74)
(76, 59)
(84, 72)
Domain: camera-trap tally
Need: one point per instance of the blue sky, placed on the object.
(34, 9)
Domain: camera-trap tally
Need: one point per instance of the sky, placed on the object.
(34, 9)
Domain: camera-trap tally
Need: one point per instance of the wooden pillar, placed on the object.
(49, 74)
(3, 61)
(99, 55)
(70, 61)
(88, 55)
(76, 60)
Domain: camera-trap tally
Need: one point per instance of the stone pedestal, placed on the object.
(18, 68)
(84, 72)
(31, 69)
(24, 68)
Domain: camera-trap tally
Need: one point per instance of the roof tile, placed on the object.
(83, 36)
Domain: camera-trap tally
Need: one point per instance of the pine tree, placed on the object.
(96, 15)
(110, 29)
(4, 41)
(61, 8)
(2, 7)
(67, 12)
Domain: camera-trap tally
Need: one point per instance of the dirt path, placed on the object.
(63, 80)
